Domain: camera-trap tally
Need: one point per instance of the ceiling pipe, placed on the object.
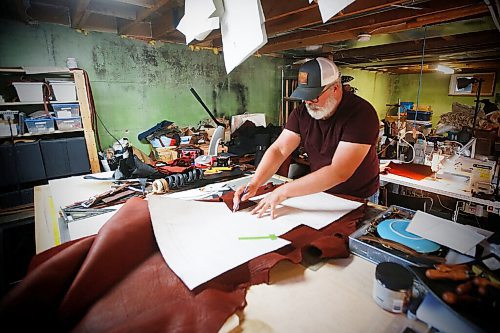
(492, 12)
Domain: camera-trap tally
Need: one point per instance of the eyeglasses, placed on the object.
(316, 100)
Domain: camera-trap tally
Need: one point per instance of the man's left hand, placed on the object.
(270, 202)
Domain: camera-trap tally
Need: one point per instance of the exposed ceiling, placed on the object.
(406, 36)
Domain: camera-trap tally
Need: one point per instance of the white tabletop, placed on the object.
(454, 187)
(334, 298)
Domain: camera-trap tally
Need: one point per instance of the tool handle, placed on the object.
(457, 275)
(206, 108)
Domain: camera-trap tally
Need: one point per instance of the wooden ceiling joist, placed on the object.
(80, 13)
(395, 20)
(138, 3)
(116, 10)
(142, 15)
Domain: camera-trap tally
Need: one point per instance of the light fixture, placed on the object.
(445, 69)
(364, 37)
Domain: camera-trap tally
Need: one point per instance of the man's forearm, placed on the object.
(317, 181)
(269, 164)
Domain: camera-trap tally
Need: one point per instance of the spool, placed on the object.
(160, 186)
(392, 287)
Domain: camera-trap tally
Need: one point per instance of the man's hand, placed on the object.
(270, 202)
(243, 193)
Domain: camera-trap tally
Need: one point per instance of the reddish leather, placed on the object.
(117, 281)
(410, 170)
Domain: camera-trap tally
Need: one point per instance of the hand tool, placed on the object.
(74, 214)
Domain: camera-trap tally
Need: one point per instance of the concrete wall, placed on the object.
(136, 84)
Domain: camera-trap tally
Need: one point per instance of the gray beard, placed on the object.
(322, 112)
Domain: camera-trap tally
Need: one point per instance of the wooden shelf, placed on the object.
(35, 103)
(28, 135)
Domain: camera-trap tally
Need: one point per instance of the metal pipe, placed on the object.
(493, 14)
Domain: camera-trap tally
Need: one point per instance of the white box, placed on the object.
(64, 91)
(29, 91)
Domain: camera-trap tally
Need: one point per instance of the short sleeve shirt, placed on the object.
(354, 121)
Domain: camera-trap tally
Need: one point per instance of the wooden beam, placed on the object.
(293, 15)
(79, 13)
(484, 40)
(113, 9)
(139, 3)
(43, 12)
(390, 21)
(166, 23)
(142, 15)
(101, 23)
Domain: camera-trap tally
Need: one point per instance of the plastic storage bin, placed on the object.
(68, 124)
(405, 106)
(419, 115)
(66, 110)
(64, 91)
(40, 125)
(29, 91)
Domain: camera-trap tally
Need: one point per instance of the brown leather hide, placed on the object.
(117, 281)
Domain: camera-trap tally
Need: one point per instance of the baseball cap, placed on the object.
(314, 75)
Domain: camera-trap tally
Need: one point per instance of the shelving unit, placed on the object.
(49, 155)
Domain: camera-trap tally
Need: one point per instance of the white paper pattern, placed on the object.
(330, 8)
(200, 240)
(243, 31)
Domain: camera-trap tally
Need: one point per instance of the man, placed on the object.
(337, 129)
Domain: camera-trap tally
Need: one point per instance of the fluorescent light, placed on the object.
(445, 69)
(364, 37)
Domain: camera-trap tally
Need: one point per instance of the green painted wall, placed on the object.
(375, 87)
(433, 92)
(135, 84)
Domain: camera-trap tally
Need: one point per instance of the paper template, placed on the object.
(200, 18)
(243, 31)
(445, 232)
(329, 8)
(200, 240)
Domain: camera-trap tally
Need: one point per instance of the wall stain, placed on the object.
(237, 88)
(99, 62)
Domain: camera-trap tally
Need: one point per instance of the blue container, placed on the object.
(66, 110)
(405, 106)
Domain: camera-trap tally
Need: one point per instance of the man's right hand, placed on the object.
(243, 193)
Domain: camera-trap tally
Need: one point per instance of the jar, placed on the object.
(392, 287)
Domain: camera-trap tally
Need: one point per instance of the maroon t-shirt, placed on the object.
(354, 121)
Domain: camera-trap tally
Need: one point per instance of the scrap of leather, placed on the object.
(410, 170)
(228, 197)
(117, 280)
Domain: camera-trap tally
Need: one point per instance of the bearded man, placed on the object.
(339, 132)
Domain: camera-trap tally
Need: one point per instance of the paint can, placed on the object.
(392, 287)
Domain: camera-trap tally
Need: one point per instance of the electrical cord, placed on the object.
(420, 78)
(95, 116)
(440, 203)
